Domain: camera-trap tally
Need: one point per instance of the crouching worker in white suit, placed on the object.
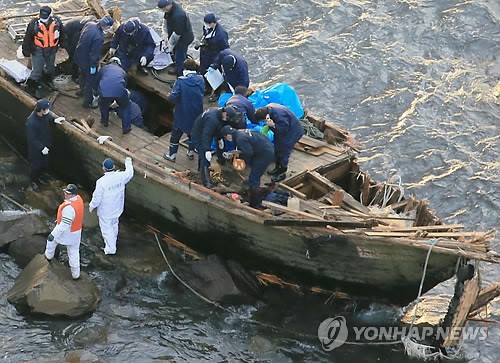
(68, 230)
(109, 199)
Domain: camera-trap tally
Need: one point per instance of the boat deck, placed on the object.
(147, 146)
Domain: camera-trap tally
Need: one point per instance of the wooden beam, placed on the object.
(428, 235)
(292, 190)
(348, 199)
(318, 223)
(438, 227)
(292, 211)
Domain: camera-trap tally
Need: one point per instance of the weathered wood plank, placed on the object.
(318, 223)
(428, 235)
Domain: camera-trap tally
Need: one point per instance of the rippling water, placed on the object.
(412, 80)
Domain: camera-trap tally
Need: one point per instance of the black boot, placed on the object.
(205, 177)
(254, 198)
(276, 169)
(281, 175)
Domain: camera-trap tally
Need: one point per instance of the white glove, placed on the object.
(59, 120)
(102, 139)
(227, 155)
(45, 150)
(143, 61)
(208, 156)
(90, 209)
(221, 144)
(128, 159)
(56, 34)
(112, 51)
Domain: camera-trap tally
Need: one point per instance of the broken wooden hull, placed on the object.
(319, 252)
(358, 264)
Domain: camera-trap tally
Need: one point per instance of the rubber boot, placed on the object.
(205, 177)
(254, 199)
(36, 88)
(276, 169)
(281, 175)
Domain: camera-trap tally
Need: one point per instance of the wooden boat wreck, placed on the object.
(341, 229)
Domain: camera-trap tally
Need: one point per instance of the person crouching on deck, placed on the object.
(133, 44)
(187, 95)
(41, 42)
(68, 230)
(287, 132)
(205, 128)
(109, 199)
(112, 81)
(256, 150)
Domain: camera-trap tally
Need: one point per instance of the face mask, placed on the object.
(46, 112)
(207, 26)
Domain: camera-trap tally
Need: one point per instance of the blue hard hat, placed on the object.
(130, 27)
(164, 3)
(107, 21)
(108, 164)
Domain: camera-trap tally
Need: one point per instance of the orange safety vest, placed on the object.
(77, 205)
(45, 36)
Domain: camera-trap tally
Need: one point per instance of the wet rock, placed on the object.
(210, 278)
(26, 248)
(45, 287)
(18, 224)
(261, 345)
(91, 336)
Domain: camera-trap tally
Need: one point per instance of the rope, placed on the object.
(389, 191)
(61, 79)
(155, 74)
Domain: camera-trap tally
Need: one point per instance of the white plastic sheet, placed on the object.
(16, 70)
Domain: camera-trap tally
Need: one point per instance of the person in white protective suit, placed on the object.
(68, 230)
(109, 199)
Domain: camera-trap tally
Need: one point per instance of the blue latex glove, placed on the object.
(92, 70)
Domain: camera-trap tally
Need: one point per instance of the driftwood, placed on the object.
(438, 227)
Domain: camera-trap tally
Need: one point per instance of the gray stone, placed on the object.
(47, 288)
(210, 278)
(26, 248)
(16, 224)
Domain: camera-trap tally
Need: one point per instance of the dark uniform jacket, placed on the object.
(205, 128)
(178, 22)
(238, 75)
(215, 40)
(39, 135)
(253, 146)
(243, 105)
(112, 81)
(187, 95)
(88, 49)
(71, 33)
(287, 130)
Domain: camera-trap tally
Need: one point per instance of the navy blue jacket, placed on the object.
(238, 76)
(177, 22)
(243, 105)
(215, 41)
(139, 98)
(253, 146)
(187, 95)
(135, 114)
(71, 34)
(112, 81)
(287, 129)
(206, 127)
(134, 46)
(39, 135)
(88, 49)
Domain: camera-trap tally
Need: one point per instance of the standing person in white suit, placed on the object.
(109, 199)
(68, 230)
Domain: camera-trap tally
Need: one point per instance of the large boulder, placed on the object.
(26, 248)
(16, 224)
(45, 287)
(210, 278)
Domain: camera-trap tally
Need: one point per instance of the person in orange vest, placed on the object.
(68, 230)
(41, 42)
